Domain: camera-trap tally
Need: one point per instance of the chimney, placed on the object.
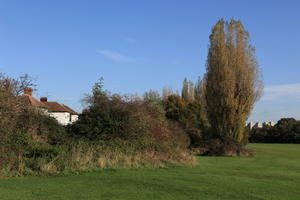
(43, 99)
(28, 91)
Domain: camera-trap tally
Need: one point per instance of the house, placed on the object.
(251, 125)
(62, 113)
(271, 123)
(258, 125)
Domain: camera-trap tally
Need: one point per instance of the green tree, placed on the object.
(232, 86)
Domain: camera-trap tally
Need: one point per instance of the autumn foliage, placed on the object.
(232, 84)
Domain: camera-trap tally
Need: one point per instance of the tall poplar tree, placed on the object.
(191, 95)
(185, 90)
(198, 89)
(232, 85)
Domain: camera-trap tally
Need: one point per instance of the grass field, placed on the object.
(274, 173)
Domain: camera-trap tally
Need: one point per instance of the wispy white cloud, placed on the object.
(115, 56)
(281, 91)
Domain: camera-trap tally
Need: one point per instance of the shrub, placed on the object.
(42, 128)
(13, 146)
(125, 127)
(117, 119)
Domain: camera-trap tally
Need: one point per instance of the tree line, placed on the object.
(287, 130)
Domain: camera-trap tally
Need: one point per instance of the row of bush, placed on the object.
(113, 131)
(287, 130)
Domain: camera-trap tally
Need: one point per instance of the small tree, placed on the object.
(11, 105)
(24, 81)
(232, 86)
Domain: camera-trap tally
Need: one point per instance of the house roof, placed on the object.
(70, 110)
(57, 107)
(32, 101)
(50, 106)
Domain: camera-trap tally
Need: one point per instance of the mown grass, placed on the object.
(274, 173)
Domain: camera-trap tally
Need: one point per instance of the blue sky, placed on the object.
(140, 45)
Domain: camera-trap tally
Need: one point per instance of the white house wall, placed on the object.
(62, 117)
(74, 118)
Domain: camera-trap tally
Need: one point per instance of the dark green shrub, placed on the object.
(42, 128)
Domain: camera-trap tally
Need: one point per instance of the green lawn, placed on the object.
(274, 173)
